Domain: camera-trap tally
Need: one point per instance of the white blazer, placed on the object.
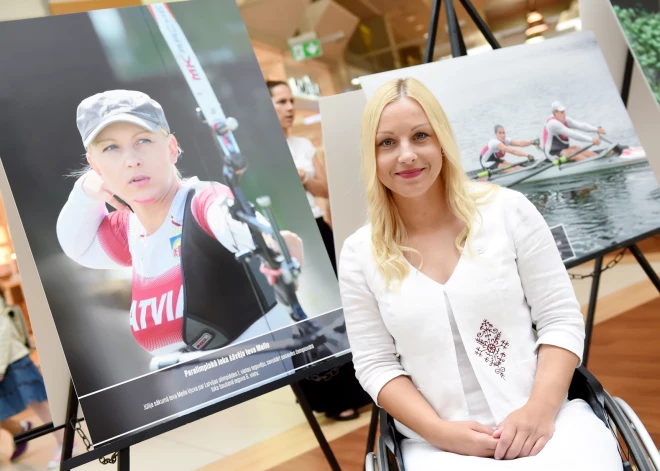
(515, 279)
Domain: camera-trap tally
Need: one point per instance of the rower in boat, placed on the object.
(559, 128)
(492, 155)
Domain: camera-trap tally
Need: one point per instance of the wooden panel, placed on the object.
(349, 451)
(62, 7)
(626, 359)
(288, 445)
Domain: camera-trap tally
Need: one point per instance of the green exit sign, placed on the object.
(306, 46)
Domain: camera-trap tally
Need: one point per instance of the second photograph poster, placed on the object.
(546, 119)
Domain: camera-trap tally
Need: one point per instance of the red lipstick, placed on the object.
(411, 173)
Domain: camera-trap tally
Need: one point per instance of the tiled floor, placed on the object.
(190, 447)
(270, 430)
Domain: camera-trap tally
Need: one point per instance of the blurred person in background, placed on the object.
(15, 428)
(21, 383)
(336, 392)
(310, 169)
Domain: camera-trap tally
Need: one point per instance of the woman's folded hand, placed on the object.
(466, 438)
(524, 432)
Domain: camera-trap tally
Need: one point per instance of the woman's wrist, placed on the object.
(544, 406)
(436, 432)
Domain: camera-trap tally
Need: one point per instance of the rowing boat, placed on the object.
(542, 170)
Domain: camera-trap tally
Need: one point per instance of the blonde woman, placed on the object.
(440, 293)
(335, 392)
(310, 168)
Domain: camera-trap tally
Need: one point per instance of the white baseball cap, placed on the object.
(114, 106)
(557, 106)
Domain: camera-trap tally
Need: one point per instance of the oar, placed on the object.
(566, 158)
(557, 162)
(617, 146)
(490, 173)
(530, 174)
(606, 153)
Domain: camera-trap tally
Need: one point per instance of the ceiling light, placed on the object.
(534, 16)
(536, 30)
(419, 27)
(535, 39)
(536, 25)
(355, 82)
(426, 35)
(411, 18)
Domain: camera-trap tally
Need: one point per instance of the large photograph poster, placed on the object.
(156, 314)
(531, 97)
(640, 21)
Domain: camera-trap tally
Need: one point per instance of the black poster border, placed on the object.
(133, 438)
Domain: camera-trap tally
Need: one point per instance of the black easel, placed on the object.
(116, 453)
(595, 284)
(313, 423)
(36, 433)
(455, 36)
(634, 249)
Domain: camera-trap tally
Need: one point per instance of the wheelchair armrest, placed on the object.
(391, 436)
(586, 387)
(386, 430)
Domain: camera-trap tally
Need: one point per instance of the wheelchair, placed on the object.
(636, 448)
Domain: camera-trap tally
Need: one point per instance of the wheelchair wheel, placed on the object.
(640, 430)
(370, 462)
(634, 457)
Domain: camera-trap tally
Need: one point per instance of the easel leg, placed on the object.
(627, 77)
(433, 30)
(69, 425)
(124, 460)
(593, 298)
(481, 24)
(373, 428)
(455, 36)
(646, 266)
(316, 428)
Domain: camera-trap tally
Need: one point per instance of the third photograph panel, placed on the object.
(547, 120)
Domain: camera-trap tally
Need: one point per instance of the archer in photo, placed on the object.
(190, 293)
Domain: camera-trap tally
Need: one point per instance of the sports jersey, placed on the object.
(95, 238)
(556, 134)
(490, 154)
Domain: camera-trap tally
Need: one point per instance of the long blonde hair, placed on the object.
(387, 230)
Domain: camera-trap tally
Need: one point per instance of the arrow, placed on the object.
(312, 48)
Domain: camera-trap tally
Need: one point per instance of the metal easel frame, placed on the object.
(629, 245)
(122, 445)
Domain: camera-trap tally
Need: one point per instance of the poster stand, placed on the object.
(118, 452)
(629, 245)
